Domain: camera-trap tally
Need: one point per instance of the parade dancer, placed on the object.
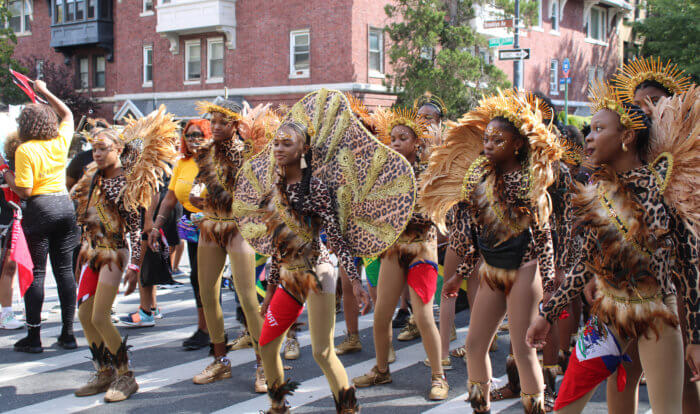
(641, 249)
(111, 197)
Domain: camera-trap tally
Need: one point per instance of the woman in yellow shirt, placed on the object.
(49, 217)
(196, 131)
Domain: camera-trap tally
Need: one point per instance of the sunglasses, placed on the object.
(194, 135)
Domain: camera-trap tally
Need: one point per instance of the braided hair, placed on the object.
(642, 135)
(305, 184)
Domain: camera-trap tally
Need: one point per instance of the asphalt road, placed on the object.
(45, 382)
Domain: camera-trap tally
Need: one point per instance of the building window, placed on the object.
(83, 73)
(554, 15)
(485, 55)
(148, 65)
(100, 71)
(601, 73)
(376, 51)
(40, 69)
(215, 59)
(591, 75)
(300, 53)
(20, 20)
(554, 77)
(427, 53)
(91, 9)
(193, 60)
(147, 6)
(539, 13)
(597, 19)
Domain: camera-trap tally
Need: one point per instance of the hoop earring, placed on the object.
(624, 147)
(517, 152)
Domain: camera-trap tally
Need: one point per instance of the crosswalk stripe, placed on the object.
(170, 307)
(161, 378)
(317, 388)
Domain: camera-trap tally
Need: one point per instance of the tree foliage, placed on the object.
(671, 30)
(433, 49)
(9, 93)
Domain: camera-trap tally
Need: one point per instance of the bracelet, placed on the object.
(4, 168)
(133, 267)
(162, 216)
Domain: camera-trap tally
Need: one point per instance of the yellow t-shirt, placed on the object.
(181, 182)
(41, 164)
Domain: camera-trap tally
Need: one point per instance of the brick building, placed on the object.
(133, 55)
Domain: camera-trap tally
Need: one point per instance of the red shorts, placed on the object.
(88, 284)
(422, 277)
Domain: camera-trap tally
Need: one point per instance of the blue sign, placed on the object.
(565, 66)
(565, 81)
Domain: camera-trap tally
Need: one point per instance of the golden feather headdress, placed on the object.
(537, 104)
(386, 120)
(632, 74)
(205, 107)
(429, 98)
(605, 96)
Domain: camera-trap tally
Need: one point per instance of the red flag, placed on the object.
(24, 83)
(19, 253)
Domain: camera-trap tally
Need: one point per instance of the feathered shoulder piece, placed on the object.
(150, 145)
(674, 150)
(457, 167)
(634, 73)
(257, 127)
(373, 186)
(359, 109)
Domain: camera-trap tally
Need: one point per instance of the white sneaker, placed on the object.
(8, 321)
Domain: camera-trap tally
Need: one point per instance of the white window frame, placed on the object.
(591, 75)
(540, 9)
(23, 29)
(146, 49)
(189, 43)
(603, 24)
(373, 73)
(97, 88)
(600, 73)
(303, 73)
(556, 16)
(144, 11)
(210, 42)
(554, 69)
(80, 85)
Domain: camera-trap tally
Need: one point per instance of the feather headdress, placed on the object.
(205, 107)
(634, 73)
(605, 96)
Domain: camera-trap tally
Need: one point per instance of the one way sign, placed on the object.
(513, 54)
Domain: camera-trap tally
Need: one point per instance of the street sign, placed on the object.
(493, 24)
(565, 66)
(565, 81)
(503, 41)
(513, 54)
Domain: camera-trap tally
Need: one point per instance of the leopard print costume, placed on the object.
(633, 301)
(217, 171)
(106, 220)
(419, 240)
(318, 204)
(469, 224)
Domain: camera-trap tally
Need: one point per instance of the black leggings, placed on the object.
(50, 228)
(192, 255)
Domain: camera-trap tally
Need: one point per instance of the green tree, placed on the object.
(9, 93)
(671, 30)
(432, 49)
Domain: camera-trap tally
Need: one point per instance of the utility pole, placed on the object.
(517, 64)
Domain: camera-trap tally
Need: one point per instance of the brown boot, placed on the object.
(104, 375)
(373, 377)
(350, 345)
(125, 385)
(477, 396)
(260, 381)
(278, 396)
(549, 372)
(438, 388)
(512, 388)
(533, 403)
(346, 403)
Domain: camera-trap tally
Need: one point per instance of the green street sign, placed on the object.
(503, 41)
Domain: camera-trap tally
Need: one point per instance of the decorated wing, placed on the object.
(374, 186)
(675, 136)
(150, 148)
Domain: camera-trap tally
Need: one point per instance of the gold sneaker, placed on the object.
(217, 370)
(438, 388)
(260, 381)
(291, 349)
(350, 345)
(99, 382)
(409, 332)
(392, 355)
(446, 363)
(242, 342)
(122, 388)
(374, 377)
